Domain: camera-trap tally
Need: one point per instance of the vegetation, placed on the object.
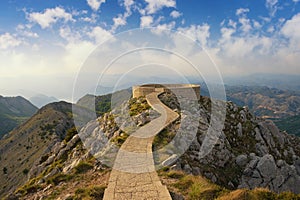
(138, 105)
(290, 124)
(70, 134)
(196, 187)
(94, 192)
(61, 177)
(83, 167)
(163, 138)
(13, 112)
(119, 140)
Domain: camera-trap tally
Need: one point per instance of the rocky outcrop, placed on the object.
(249, 152)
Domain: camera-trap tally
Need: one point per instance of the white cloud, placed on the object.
(120, 20)
(25, 31)
(175, 14)
(242, 11)
(256, 24)
(243, 20)
(128, 4)
(163, 28)
(232, 24)
(99, 34)
(7, 40)
(291, 30)
(155, 5)
(271, 29)
(199, 33)
(91, 19)
(245, 24)
(296, 1)
(271, 5)
(227, 33)
(50, 16)
(68, 34)
(146, 21)
(95, 4)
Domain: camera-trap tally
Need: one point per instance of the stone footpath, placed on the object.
(133, 176)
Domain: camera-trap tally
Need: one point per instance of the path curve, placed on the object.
(133, 176)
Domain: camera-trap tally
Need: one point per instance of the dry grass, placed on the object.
(199, 188)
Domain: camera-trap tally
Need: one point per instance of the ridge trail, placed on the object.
(133, 176)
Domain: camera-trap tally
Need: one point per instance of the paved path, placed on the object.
(133, 176)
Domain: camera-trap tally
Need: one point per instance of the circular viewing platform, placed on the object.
(186, 90)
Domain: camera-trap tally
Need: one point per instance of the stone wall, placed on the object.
(186, 90)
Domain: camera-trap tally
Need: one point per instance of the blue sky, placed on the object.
(44, 43)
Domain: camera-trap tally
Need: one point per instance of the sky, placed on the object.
(45, 44)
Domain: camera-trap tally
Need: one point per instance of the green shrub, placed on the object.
(56, 179)
(119, 140)
(83, 167)
(95, 192)
(70, 134)
(25, 171)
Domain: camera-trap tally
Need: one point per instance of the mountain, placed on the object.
(102, 103)
(50, 161)
(41, 100)
(281, 106)
(13, 112)
(25, 145)
(280, 81)
(266, 102)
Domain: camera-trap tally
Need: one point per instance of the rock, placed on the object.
(267, 167)
(241, 160)
(196, 171)
(187, 168)
(176, 196)
(55, 171)
(243, 116)
(240, 130)
(280, 163)
(169, 161)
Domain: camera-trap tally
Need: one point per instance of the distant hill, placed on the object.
(279, 81)
(281, 106)
(41, 100)
(13, 112)
(102, 103)
(289, 124)
(22, 147)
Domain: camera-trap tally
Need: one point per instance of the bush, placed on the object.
(70, 134)
(25, 171)
(95, 192)
(56, 179)
(83, 167)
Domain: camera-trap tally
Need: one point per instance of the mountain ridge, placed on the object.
(13, 112)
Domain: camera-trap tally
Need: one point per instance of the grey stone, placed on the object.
(240, 130)
(241, 160)
(267, 166)
(169, 161)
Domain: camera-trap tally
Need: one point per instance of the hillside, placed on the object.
(13, 112)
(250, 153)
(22, 147)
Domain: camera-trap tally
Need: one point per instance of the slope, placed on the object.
(13, 112)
